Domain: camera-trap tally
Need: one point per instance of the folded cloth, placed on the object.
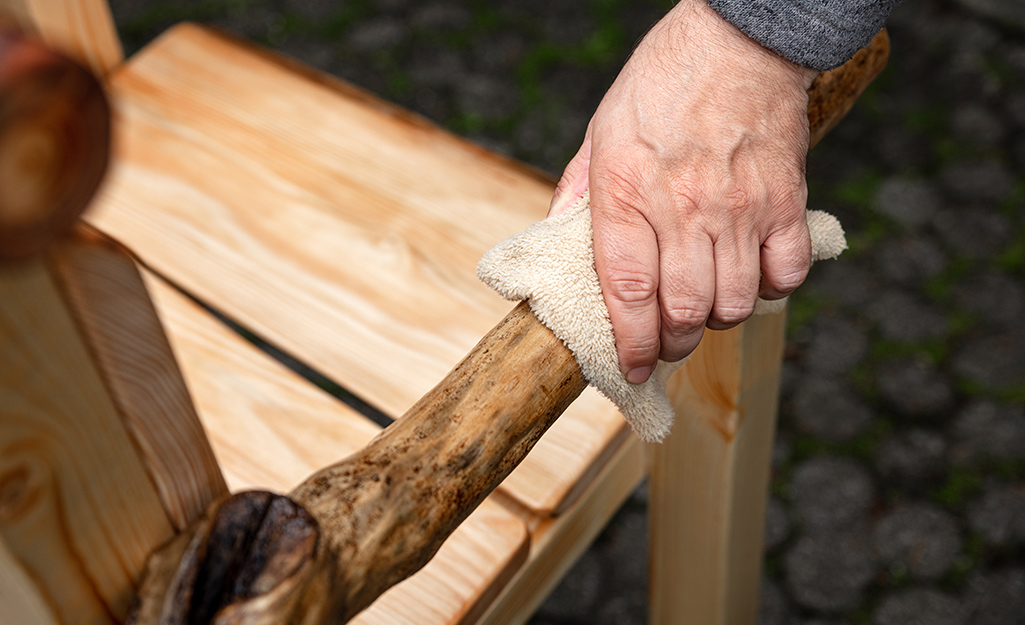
(551, 264)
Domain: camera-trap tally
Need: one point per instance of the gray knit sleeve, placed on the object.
(821, 34)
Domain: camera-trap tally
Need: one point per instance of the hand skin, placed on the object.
(695, 164)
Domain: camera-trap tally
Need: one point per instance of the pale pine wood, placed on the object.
(337, 227)
(77, 509)
(557, 542)
(710, 479)
(126, 340)
(82, 29)
(270, 429)
(20, 599)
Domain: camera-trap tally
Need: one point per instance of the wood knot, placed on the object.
(18, 493)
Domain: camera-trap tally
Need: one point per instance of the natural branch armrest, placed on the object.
(354, 529)
(382, 513)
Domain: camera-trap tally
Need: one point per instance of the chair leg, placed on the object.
(709, 480)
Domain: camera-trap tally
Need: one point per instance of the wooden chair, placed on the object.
(343, 231)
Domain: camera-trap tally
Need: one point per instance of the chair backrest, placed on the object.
(102, 456)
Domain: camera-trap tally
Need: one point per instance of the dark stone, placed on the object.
(836, 345)
(829, 571)
(777, 524)
(1014, 106)
(624, 608)
(487, 96)
(314, 10)
(977, 124)
(994, 362)
(995, 297)
(998, 598)
(909, 261)
(578, 592)
(915, 387)
(989, 429)
(782, 448)
(828, 408)
(978, 180)
(437, 67)
(499, 53)
(973, 232)
(911, 458)
(1007, 12)
(920, 538)
(911, 203)
(832, 493)
(625, 549)
(902, 149)
(441, 16)
(774, 608)
(920, 606)
(377, 34)
(1000, 514)
(904, 317)
(844, 280)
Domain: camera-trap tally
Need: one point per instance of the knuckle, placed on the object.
(637, 351)
(739, 200)
(788, 282)
(789, 195)
(683, 319)
(733, 313)
(631, 287)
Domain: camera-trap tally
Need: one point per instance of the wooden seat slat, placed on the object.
(337, 227)
(270, 429)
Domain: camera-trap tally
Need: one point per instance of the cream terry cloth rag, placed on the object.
(551, 264)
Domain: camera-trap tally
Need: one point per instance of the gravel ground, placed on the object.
(898, 494)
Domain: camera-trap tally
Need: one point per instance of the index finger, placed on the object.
(626, 259)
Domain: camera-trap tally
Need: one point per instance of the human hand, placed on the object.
(695, 165)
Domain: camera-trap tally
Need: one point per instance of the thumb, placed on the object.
(573, 183)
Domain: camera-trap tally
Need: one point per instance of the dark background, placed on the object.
(898, 494)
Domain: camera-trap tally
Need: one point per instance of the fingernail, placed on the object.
(638, 375)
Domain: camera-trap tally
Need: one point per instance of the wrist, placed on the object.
(694, 18)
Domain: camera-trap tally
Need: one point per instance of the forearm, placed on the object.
(821, 34)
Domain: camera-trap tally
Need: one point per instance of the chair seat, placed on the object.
(339, 228)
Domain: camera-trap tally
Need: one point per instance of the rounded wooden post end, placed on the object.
(54, 143)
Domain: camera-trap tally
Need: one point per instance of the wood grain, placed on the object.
(346, 234)
(77, 509)
(710, 478)
(270, 429)
(82, 29)
(126, 340)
